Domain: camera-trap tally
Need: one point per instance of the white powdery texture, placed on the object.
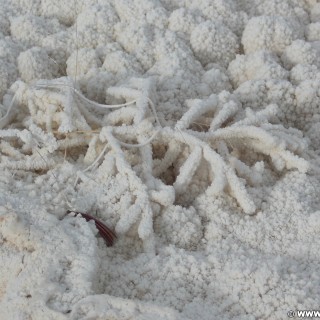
(53, 262)
(255, 279)
(189, 127)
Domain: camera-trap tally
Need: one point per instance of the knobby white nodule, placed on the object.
(216, 136)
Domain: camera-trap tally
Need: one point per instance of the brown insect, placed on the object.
(106, 233)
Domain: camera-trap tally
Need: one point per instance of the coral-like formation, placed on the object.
(229, 147)
(271, 32)
(35, 63)
(257, 65)
(213, 42)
